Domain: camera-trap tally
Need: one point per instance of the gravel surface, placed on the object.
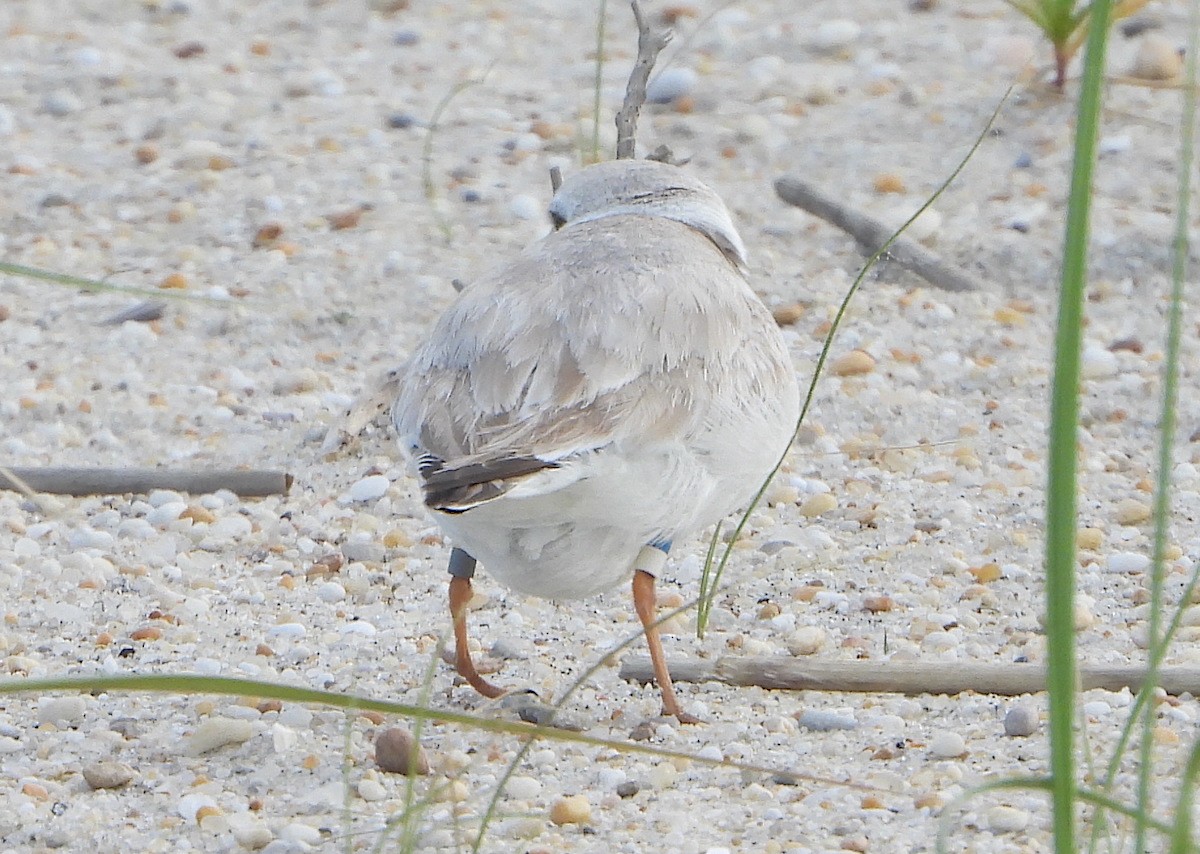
(267, 157)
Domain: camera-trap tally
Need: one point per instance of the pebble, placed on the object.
(217, 732)
(1021, 720)
(61, 102)
(1099, 362)
(8, 122)
(191, 804)
(1128, 562)
(89, 538)
(671, 84)
(61, 711)
(526, 207)
(363, 551)
(253, 836)
(836, 34)
(627, 789)
(524, 788)
(806, 640)
(1157, 58)
(305, 834)
(574, 809)
(370, 488)
(818, 505)
(820, 720)
(1091, 539)
(1132, 511)
(371, 790)
(330, 591)
(852, 364)
(947, 744)
(108, 774)
(1007, 819)
(394, 752)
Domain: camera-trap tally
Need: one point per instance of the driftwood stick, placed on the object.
(903, 677)
(248, 483)
(871, 234)
(650, 44)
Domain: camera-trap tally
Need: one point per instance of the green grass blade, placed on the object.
(105, 287)
(1064, 421)
(1166, 443)
(597, 83)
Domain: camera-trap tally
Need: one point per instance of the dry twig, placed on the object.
(650, 44)
(871, 234)
(903, 677)
(248, 483)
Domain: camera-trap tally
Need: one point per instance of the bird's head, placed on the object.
(647, 188)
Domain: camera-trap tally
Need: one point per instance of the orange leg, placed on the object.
(646, 605)
(460, 596)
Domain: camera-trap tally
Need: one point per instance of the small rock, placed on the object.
(108, 775)
(1157, 58)
(405, 38)
(854, 363)
(216, 732)
(947, 744)
(1128, 562)
(1099, 362)
(671, 85)
(819, 720)
(819, 504)
(401, 121)
(1131, 511)
(1007, 819)
(571, 810)
(253, 836)
(878, 604)
(61, 102)
(370, 488)
(1091, 539)
(836, 34)
(371, 790)
(1021, 720)
(526, 207)
(61, 711)
(363, 551)
(397, 752)
(627, 789)
(888, 182)
(524, 788)
(806, 640)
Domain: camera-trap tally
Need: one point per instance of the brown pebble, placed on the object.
(1131, 345)
(5, 314)
(872, 802)
(36, 791)
(269, 706)
(854, 363)
(325, 566)
(174, 282)
(642, 732)
(878, 604)
(985, 574)
(1157, 58)
(888, 182)
(260, 47)
(929, 800)
(769, 610)
(855, 843)
(344, 219)
(201, 515)
(374, 717)
(145, 153)
(108, 775)
(397, 752)
(1130, 511)
(147, 633)
(187, 50)
(264, 650)
(571, 810)
(786, 315)
(267, 235)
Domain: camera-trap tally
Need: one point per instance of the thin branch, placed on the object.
(555, 181)
(902, 677)
(871, 234)
(650, 44)
(248, 483)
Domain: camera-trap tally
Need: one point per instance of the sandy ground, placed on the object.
(268, 155)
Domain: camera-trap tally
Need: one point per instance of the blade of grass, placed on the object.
(100, 285)
(427, 148)
(1062, 463)
(710, 580)
(597, 83)
(1166, 441)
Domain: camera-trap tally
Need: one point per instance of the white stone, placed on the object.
(1007, 819)
(526, 207)
(947, 744)
(836, 33)
(673, 83)
(61, 710)
(1127, 562)
(216, 732)
(368, 488)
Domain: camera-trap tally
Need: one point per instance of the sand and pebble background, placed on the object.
(267, 158)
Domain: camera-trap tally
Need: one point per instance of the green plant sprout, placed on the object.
(1065, 24)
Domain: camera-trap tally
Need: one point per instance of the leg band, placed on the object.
(462, 565)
